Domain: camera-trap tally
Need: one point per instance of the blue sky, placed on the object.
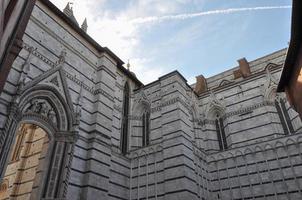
(159, 36)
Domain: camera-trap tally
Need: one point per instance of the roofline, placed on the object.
(294, 45)
(91, 41)
(175, 72)
(256, 59)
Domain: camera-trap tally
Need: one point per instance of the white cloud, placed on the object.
(145, 71)
(191, 80)
(142, 20)
(115, 31)
(121, 30)
(119, 35)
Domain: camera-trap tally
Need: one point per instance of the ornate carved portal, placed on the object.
(42, 107)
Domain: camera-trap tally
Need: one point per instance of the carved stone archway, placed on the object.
(44, 106)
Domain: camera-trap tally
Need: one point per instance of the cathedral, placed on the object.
(75, 124)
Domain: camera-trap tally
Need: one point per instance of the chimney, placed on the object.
(201, 85)
(244, 67)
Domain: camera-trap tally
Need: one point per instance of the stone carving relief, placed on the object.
(215, 106)
(26, 68)
(42, 107)
(141, 103)
(55, 81)
(269, 87)
(62, 57)
(142, 97)
(79, 106)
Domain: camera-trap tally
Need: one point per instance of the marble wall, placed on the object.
(183, 159)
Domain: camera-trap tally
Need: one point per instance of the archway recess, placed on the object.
(46, 103)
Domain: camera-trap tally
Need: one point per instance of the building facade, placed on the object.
(75, 124)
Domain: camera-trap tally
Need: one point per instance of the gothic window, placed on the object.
(284, 117)
(146, 128)
(18, 144)
(221, 134)
(125, 120)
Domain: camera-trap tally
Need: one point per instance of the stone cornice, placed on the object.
(256, 75)
(237, 112)
(145, 151)
(64, 136)
(103, 92)
(249, 108)
(135, 117)
(280, 142)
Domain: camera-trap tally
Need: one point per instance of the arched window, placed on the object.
(146, 128)
(18, 144)
(284, 117)
(220, 133)
(125, 120)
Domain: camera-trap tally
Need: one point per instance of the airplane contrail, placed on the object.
(142, 20)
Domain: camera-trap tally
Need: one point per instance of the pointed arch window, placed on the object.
(146, 128)
(18, 144)
(284, 117)
(221, 133)
(125, 120)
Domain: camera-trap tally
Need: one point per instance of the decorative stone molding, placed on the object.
(144, 151)
(54, 64)
(215, 106)
(63, 136)
(281, 142)
(25, 68)
(134, 118)
(141, 97)
(62, 58)
(68, 75)
(39, 55)
(42, 108)
(79, 103)
(249, 108)
(79, 82)
(103, 92)
(170, 102)
(237, 112)
(225, 82)
(270, 66)
(117, 107)
(142, 104)
(270, 86)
